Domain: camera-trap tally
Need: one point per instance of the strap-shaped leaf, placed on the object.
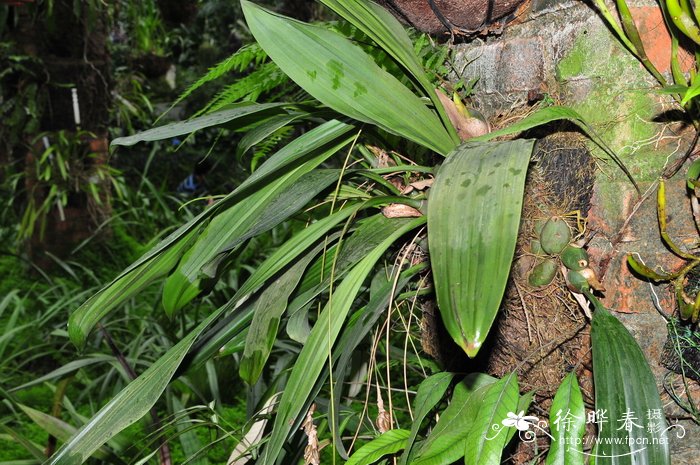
(132, 403)
(567, 422)
(488, 436)
(390, 442)
(633, 428)
(473, 218)
(342, 76)
(382, 27)
(163, 257)
(315, 352)
(259, 212)
(185, 127)
(266, 318)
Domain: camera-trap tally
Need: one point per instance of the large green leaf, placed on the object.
(445, 444)
(473, 219)
(185, 127)
(567, 422)
(316, 351)
(488, 436)
(124, 287)
(382, 27)
(388, 443)
(342, 76)
(634, 428)
(429, 393)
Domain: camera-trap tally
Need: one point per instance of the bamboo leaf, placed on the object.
(315, 352)
(634, 429)
(567, 422)
(342, 76)
(388, 443)
(471, 249)
(488, 436)
(429, 393)
(185, 127)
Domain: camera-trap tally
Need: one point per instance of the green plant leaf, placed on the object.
(382, 27)
(554, 113)
(315, 352)
(162, 258)
(60, 429)
(390, 442)
(127, 407)
(68, 368)
(185, 127)
(488, 437)
(471, 249)
(261, 211)
(342, 76)
(626, 390)
(288, 252)
(121, 289)
(567, 423)
(268, 310)
(265, 129)
(445, 444)
(429, 393)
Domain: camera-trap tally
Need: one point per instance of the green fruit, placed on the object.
(555, 235)
(574, 258)
(543, 273)
(576, 281)
(536, 247)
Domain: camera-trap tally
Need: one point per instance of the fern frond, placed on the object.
(267, 146)
(264, 79)
(243, 58)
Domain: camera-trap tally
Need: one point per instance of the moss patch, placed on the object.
(603, 82)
